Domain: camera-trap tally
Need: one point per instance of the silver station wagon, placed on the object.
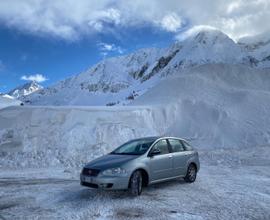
(142, 162)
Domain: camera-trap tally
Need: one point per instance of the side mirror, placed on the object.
(154, 152)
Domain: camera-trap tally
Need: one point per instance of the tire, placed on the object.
(136, 183)
(191, 174)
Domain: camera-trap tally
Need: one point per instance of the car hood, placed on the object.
(110, 161)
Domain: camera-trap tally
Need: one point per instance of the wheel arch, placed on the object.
(192, 163)
(145, 176)
(193, 160)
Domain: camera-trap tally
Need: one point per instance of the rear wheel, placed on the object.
(191, 173)
(136, 183)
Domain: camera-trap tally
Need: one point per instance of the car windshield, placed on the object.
(134, 147)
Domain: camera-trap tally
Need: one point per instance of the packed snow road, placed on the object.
(226, 189)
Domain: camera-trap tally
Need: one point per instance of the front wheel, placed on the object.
(191, 173)
(136, 183)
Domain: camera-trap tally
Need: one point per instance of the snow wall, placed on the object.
(213, 106)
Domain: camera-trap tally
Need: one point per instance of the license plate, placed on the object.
(87, 179)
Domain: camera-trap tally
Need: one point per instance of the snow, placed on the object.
(258, 48)
(254, 39)
(113, 80)
(224, 111)
(28, 88)
(108, 82)
(213, 105)
(76, 134)
(208, 47)
(221, 108)
(6, 100)
(7, 96)
(207, 105)
(220, 192)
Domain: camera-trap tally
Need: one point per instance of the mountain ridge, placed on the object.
(119, 80)
(25, 90)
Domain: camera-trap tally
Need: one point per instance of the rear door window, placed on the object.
(176, 145)
(186, 145)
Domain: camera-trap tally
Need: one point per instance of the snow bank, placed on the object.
(69, 136)
(215, 106)
(7, 100)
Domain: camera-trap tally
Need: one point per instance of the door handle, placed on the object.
(170, 156)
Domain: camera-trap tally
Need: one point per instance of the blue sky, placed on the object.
(59, 38)
(24, 54)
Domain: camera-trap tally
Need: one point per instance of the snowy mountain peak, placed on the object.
(263, 38)
(258, 48)
(118, 80)
(211, 37)
(26, 89)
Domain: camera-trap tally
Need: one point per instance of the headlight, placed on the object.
(115, 172)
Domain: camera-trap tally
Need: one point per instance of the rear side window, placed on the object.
(187, 146)
(162, 146)
(176, 145)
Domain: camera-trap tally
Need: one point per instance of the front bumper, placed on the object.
(104, 182)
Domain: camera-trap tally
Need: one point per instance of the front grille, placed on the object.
(90, 172)
(92, 185)
(109, 185)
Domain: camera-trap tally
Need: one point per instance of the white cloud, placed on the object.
(106, 48)
(171, 22)
(233, 6)
(70, 21)
(36, 77)
(192, 31)
(99, 18)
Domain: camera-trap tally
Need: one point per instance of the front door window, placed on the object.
(162, 146)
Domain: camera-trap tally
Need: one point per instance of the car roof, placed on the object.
(170, 137)
(155, 138)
